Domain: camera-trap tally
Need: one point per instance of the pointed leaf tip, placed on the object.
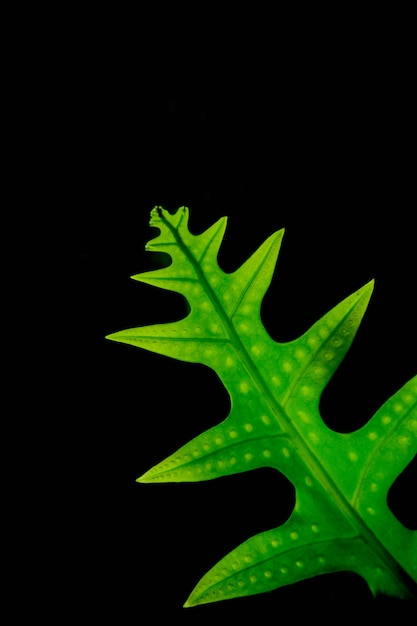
(189, 604)
(371, 284)
(117, 336)
(368, 289)
(192, 600)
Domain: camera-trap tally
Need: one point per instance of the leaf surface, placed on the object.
(341, 520)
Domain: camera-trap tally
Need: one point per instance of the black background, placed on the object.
(274, 124)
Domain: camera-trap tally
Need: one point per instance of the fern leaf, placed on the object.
(341, 520)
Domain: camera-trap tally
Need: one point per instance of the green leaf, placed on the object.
(341, 520)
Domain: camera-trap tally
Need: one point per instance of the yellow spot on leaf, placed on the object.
(403, 441)
(304, 416)
(312, 341)
(307, 391)
(300, 353)
(313, 437)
